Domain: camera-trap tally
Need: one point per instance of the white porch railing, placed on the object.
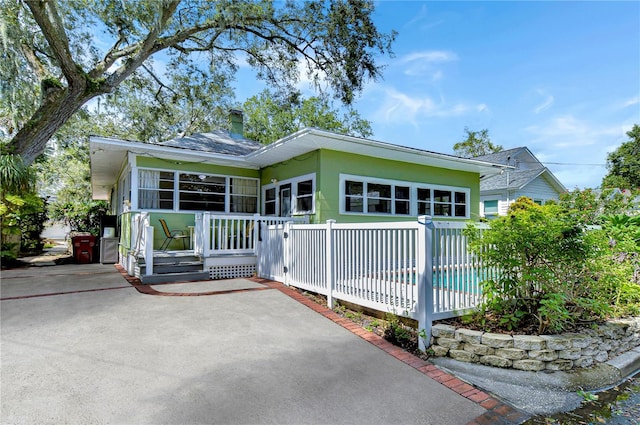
(216, 234)
(384, 266)
(142, 232)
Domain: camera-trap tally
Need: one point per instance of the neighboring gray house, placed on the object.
(530, 178)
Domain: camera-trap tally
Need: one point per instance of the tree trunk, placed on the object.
(56, 108)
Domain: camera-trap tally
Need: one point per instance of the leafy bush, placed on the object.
(553, 275)
(80, 215)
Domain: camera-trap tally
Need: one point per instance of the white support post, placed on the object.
(330, 261)
(206, 234)
(425, 281)
(256, 233)
(148, 250)
(286, 254)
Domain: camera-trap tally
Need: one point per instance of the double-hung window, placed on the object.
(304, 196)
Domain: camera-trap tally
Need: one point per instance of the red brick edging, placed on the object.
(498, 412)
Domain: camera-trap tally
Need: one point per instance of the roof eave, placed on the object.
(317, 139)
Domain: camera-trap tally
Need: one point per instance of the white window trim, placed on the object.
(413, 196)
(176, 189)
(294, 194)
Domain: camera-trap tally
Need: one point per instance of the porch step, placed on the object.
(172, 267)
(174, 277)
(181, 267)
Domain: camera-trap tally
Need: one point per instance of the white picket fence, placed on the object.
(383, 266)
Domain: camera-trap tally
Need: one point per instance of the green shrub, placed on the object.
(545, 257)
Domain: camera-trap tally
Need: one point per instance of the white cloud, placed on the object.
(630, 102)
(546, 103)
(426, 63)
(575, 149)
(430, 56)
(399, 107)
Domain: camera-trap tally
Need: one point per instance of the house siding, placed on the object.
(538, 189)
(334, 163)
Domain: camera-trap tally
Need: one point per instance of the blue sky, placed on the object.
(562, 78)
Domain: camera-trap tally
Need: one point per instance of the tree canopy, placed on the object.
(59, 55)
(477, 143)
(624, 163)
(269, 117)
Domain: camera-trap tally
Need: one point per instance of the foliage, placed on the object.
(552, 272)
(53, 63)
(624, 163)
(15, 175)
(588, 207)
(80, 217)
(397, 333)
(22, 212)
(477, 143)
(269, 117)
(68, 171)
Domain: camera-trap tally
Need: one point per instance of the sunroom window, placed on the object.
(244, 196)
(199, 192)
(196, 192)
(401, 198)
(156, 189)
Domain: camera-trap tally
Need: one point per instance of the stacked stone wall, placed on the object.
(545, 352)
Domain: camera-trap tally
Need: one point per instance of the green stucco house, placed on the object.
(311, 175)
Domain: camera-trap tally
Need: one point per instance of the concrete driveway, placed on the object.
(79, 345)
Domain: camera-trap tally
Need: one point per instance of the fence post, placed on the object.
(330, 262)
(425, 281)
(286, 254)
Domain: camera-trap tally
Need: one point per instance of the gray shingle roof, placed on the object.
(501, 157)
(217, 141)
(513, 179)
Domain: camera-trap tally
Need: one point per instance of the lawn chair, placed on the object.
(171, 235)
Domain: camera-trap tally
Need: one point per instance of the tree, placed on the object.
(269, 117)
(52, 64)
(477, 143)
(624, 163)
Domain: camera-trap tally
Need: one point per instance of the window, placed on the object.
(424, 201)
(156, 189)
(244, 196)
(491, 207)
(289, 197)
(304, 197)
(270, 201)
(196, 192)
(401, 198)
(354, 196)
(379, 198)
(199, 192)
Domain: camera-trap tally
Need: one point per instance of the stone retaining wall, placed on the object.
(552, 352)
